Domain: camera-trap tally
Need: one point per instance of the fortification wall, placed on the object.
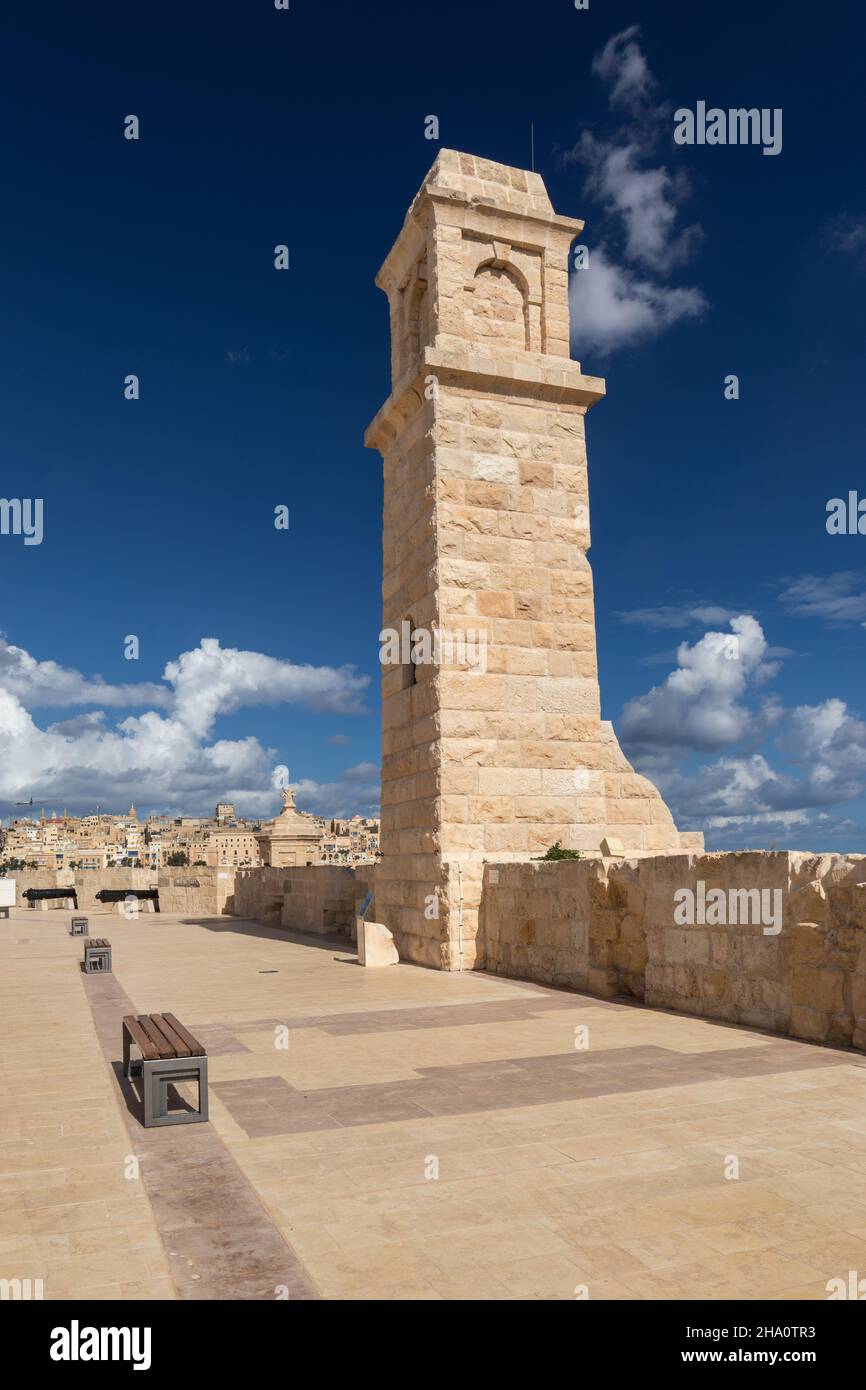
(199, 892)
(316, 898)
(87, 882)
(773, 940)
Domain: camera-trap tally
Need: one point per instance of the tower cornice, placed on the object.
(534, 376)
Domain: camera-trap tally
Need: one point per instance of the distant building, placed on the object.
(100, 841)
(291, 838)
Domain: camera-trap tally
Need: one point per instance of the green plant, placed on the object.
(557, 852)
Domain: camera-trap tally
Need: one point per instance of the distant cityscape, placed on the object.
(223, 840)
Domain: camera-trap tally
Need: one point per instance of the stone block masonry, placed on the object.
(320, 899)
(779, 941)
(196, 891)
(486, 527)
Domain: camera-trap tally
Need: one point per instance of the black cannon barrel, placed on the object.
(118, 895)
(35, 894)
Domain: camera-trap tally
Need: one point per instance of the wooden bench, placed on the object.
(169, 1054)
(79, 926)
(97, 956)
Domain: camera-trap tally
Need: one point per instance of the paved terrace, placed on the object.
(557, 1167)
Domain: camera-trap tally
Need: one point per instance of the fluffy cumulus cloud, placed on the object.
(214, 680)
(644, 199)
(813, 758)
(40, 684)
(612, 307)
(619, 300)
(165, 756)
(700, 706)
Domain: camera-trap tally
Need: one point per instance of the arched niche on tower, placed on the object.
(503, 298)
(415, 317)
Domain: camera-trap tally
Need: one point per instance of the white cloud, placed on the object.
(622, 65)
(847, 234)
(39, 684)
(838, 598)
(825, 742)
(645, 200)
(212, 680)
(355, 792)
(677, 615)
(155, 758)
(611, 307)
(830, 743)
(700, 705)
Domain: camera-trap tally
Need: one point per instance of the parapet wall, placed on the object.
(87, 882)
(317, 898)
(773, 940)
(196, 892)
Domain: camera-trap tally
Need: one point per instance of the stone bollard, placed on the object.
(375, 944)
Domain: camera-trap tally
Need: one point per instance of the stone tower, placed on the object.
(493, 746)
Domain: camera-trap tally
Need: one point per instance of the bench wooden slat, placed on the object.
(174, 1040)
(138, 1035)
(181, 1047)
(165, 1048)
(195, 1047)
(161, 1036)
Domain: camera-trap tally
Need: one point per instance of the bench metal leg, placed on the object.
(156, 1079)
(97, 962)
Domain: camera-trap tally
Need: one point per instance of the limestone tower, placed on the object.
(495, 748)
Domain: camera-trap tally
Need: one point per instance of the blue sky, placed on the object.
(155, 257)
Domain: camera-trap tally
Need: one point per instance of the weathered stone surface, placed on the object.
(375, 944)
(316, 898)
(195, 889)
(610, 928)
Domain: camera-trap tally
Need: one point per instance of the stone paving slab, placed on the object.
(421, 1136)
(69, 1215)
(219, 1240)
